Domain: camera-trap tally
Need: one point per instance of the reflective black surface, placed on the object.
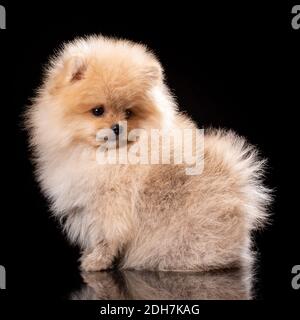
(147, 285)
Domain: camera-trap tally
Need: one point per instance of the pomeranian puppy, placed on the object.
(155, 216)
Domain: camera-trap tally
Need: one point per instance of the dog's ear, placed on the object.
(75, 68)
(67, 72)
(153, 73)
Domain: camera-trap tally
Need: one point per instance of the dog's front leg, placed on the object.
(99, 258)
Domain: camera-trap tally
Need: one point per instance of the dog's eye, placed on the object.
(98, 111)
(128, 113)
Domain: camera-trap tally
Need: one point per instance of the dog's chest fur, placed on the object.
(92, 201)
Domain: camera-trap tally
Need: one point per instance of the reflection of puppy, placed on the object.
(148, 216)
(147, 285)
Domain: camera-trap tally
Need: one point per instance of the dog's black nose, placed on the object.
(116, 129)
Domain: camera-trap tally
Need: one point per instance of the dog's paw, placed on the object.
(95, 262)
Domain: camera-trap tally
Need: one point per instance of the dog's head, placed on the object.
(100, 83)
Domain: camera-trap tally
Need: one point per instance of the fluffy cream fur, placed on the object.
(146, 216)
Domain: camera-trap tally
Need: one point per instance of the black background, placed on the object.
(230, 65)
